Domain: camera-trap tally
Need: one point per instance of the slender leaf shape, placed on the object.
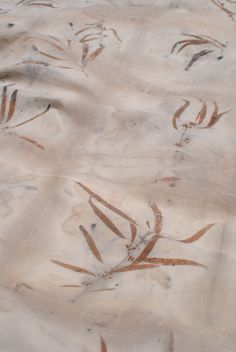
(215, 115)
(12, 105)
(193, 42)
(32, 118)
(157, 218)
(32, 141)
(196, 57)
(72, 267)
(85, 50)
(202, 113)
(115, 34)
(172, 261)
(95, 54)
(106, 220)
(91, 244)
(179, 112)
(198, 234)
(3, 103)
(133, 230)
(147, 249)
(105, 203)
(134, 266)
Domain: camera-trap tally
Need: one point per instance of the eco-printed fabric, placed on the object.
(117, 176)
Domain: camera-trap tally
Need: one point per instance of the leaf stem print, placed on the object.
(221, 6)
(142, 246)
(6, 128)
(198, 40)
(197, 122)
(179, 112)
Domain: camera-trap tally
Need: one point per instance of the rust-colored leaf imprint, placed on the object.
(208, 45)
(91, 41)
(7, 127)
(224, 7)
(138, 243)
(184, 125)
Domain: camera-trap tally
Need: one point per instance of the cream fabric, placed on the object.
(117, 156)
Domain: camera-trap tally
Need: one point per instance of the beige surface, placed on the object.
(114, 125)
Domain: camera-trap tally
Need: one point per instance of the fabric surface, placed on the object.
(117, 157)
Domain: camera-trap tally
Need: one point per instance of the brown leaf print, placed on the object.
(221, 6)
(172, 261)
(12, 105)
(196, 57)
(215, 115)
(75, 268)
(106, 220)
(202, 113)
(179, 112)
(198, 234)
(157, 217)
(133, 229)
(134, 266)
(105, 203)
(95, 54)
(91, 244)
(147, 249)
(3, 103)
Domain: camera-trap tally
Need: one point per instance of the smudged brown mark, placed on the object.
(86, 36)
(83, 30)
(103, 345)
(134, 266)
(179, 112)
(202, 113)
(32, 141)
(48, 55)
(192, 42)
(103, 289)
(198, 234)
(105, 203)
(41, 4)
(3, 103)
(91, 244)
(172, 342)
(32, 62)
(133, 230)
(12, 105)
(215, 115)
(105, 219)
(196, 57)
(90, 40)
(65, 67)
(32, 118)
(85, 50)
(72, 286)
(95, 54)
(75, 268)
(229, 13)
(157, 218)
(169, 179)
(173, 261)
(114, 33)
(147, 249)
